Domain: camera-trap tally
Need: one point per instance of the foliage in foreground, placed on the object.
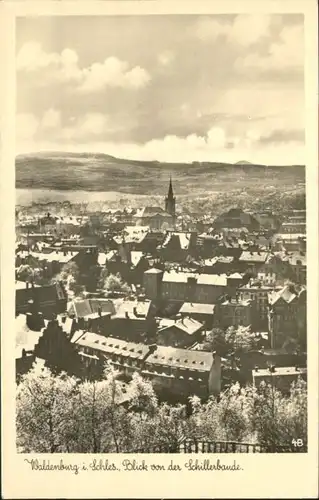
(62, 414)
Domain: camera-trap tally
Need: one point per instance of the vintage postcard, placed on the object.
(159, 249)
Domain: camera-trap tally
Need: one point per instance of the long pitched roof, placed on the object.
(201, 279)
(181, 358)
(164, 356)
(189, 308)
(111, 345)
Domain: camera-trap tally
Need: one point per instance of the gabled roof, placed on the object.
(253, 256)
(136, 256)
(151, 212)
(181, 238)
(220, 259)
(132, 234)
(187, 325)
(153, 271)
(124, 307)
(103, 257)
(297, 259)
(189, 308)
(25, 338)
(285, 294)
(87, 307)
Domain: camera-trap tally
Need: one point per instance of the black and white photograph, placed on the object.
(160, 234)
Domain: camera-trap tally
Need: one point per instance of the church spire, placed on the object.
(170, 189)
(170, 200)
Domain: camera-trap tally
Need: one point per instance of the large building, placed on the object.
(178, 286)
(235, 312)
(47, 299)
(287, 317)
(156, 217)
(236, 218)
(181, 372)
(177, 246)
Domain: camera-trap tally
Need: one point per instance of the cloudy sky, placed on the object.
(169, 88)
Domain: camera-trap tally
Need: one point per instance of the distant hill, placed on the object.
(243, 162)
(102, 172)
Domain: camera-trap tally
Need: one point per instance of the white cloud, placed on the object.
(166, 57)
(51, 119)
(245, 30)
(137, 77)
(63, 67)
(86, 127)
(288, 52)
(113, 73)
(26, 126)
(31, 57)
(249, 29)
(86, 134)
(60, 67)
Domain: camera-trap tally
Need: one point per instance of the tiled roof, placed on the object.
(106, 306)
(236, 276)
(181, 358)
(25, 338)
(290, 236)
(235, 303)
(201, 279)
(153, 271)
(285, 293)
(280, 371)
(127, 306)
(66, 325)
(132, 234)
(183, 239)
(136, 257)
(187, 325)
(222, 259)
(87, 307)
(253, 256)
(21, 285)
(151, 212)
(101, 258)
(56, 256)
(189, 308)
(111, 345)
(297, 259)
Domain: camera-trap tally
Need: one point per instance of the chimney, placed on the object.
(151, 349)
(256, 368)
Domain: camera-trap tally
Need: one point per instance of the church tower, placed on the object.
(170, 200)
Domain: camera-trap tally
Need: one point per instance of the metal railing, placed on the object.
(203, 446)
